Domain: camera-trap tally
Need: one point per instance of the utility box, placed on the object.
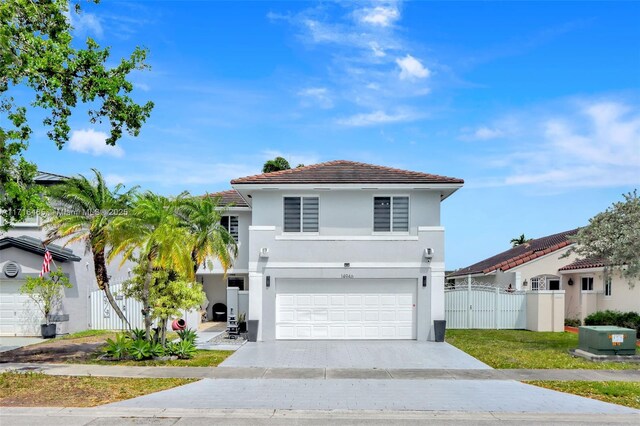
(607, 340)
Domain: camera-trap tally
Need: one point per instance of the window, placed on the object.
(236, 282)
(587, 283)
(390, 214)
(607, 286)
(230, 223)
(535, 284)
(301, 214)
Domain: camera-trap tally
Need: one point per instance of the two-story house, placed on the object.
(337, 250)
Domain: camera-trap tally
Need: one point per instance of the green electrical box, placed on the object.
(607, 340)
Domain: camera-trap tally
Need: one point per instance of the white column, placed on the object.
(255, 300)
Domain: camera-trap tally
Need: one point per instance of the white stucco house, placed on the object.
(337, 250)
(541, 265)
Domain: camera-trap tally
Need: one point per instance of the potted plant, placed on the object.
(242, 323)
(47, 294)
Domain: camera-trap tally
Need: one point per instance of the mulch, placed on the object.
(55, 351)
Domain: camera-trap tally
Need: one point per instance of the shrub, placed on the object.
(187, 335)
(138, 334)
(118, 348)
(572, 322)
(184, 349)
(140, 349)
(621, 319)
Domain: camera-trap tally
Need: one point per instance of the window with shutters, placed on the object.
(391, 214)
(230, 223)
(301, 214)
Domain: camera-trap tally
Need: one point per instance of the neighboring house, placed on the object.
(21, 256)
(338, 250)
(541, 265)
(592, 290)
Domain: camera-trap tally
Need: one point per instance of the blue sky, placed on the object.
(535, 105)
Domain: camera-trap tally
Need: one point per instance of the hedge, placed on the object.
(621, 319)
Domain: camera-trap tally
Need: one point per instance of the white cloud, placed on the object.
(92, 142)
(318, 95)
(85, 23)
(382, 16)
(411, 68)
(378, 51)
(482, 133)
(593, 144)
(376, 117)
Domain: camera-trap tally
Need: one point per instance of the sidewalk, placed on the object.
(141, 416)
(322, 373)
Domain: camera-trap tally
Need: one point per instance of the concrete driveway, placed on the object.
(10, 343)
(400, 354)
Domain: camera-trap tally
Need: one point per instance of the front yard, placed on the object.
(86, 346)
(526, 349)
(40, 390)
(622, 393)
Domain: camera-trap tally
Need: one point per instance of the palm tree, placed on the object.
(87, 209)
(153, 234)
(515, 242)
(201, 217)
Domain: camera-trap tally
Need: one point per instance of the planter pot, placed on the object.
(440, 327)
(242, 327)
(178, 325)
(253, 330)
(48, 331)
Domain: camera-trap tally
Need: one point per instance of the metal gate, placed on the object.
(103, 317)
(482, 306)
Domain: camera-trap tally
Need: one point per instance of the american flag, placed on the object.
(46, 262)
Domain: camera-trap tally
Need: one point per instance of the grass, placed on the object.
(202, 358)
(526, 349)
(622, 393)
(87, 333)
(40, 390)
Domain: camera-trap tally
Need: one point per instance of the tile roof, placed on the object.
(341, 172)
(584, 264)
(36, 246)
(519, 255)
(230, 197)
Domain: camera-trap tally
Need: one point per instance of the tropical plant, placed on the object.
(140, 349)
(153, 234)
(201, 216)
(138, 334)
(275, 165)
(518, 241)
(41, 56)
(118, 348)
(85, 212)
(184, 349)
(47, 293)
(188, 334)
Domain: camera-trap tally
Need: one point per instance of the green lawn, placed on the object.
(40, 390)
(202, 358)
(623, 393)
(526, 349)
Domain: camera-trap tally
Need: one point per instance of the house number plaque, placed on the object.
(347, 276)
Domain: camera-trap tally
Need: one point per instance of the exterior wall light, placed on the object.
(268, 281)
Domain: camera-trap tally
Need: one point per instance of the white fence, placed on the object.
(480, 306)
(103, 317)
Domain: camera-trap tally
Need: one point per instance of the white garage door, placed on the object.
(346, 309)
(18, 315)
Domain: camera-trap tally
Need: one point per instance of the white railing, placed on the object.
(102, 315)
(481, 306)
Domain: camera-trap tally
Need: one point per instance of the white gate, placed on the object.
(103, 317)
(482, 306)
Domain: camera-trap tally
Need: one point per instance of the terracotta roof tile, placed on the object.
(584, 264)
(230, 196)
(342, 171)
(519, 255)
